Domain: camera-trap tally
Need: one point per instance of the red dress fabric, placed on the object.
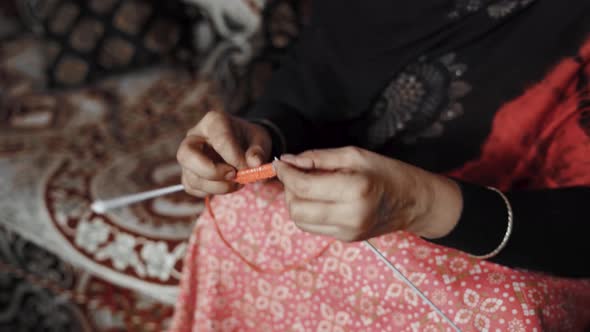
(264, 274)
(540, 140)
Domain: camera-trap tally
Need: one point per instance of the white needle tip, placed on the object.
(103, 206)
(98, 207)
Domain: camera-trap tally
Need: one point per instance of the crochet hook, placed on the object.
(245, 176)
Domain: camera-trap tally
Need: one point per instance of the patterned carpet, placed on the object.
(63, 267)
(58, 152)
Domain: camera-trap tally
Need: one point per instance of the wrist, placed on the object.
(274, 134)
(443, 206)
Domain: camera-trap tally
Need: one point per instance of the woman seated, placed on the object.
(449, 132)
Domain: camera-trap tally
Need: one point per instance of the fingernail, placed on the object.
(230, 175)
(289, 158)
(304, 163)
(256, 161)
(298, 161)
(275, 164)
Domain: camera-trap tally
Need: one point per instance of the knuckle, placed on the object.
(301, 226)
(288, 198)
(311, 153)
(365, 187)
(215, 122)
(196, 128)
(353, 152)
(225, 187)
(347, 155)
(221, 140)
(212, 116)
(193, 192)
(296, 213)
(349, 237)
(364, 218)
(302, 186)
(187, 186)
(293, 212)
(190, 182)
(180, 155)
(183, 153)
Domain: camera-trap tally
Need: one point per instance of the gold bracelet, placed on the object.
(508, 229)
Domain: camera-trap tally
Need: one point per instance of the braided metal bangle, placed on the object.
(508, 229)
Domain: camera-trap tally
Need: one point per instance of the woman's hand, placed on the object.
(353, 194)
(216, 148)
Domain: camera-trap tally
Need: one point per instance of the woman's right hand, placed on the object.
(216, 148)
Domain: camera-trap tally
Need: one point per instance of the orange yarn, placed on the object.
(251, 264)
(251, 175)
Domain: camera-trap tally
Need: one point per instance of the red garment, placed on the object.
(539, 140)
(347, 288)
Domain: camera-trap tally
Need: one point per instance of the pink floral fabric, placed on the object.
(346, 288)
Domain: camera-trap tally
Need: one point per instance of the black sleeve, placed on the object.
(296, 98)
(550, 229)
(337, 68)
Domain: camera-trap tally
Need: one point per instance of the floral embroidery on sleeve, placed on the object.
(495, 9)
(418, 101)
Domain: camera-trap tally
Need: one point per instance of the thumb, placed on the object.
(259, 146)
(326, 159)
(254, 156)
(259, 150)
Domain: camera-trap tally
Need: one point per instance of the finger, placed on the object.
(189, 189)
(220, 134)
(260, 145)
(319, 213)
(288, 197)
(336, 232)
(328, 159)
(197, 184)
(196, 193)
(337, 186)
(255, 156)
(328, 230)
(191, 156)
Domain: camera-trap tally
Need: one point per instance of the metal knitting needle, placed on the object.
(407, 281)
(243, 176)
(102, 206)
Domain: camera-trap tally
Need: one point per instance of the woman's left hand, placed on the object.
(352, 194)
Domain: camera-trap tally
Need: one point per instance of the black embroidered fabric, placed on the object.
(418, 100)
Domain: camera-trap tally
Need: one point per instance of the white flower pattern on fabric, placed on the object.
(340, 259)
(91, 234)
(281, 232)
(397, 289)
(332, 321)
(321, 300)
(477, 309)
(271, 299)
(516, 325)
